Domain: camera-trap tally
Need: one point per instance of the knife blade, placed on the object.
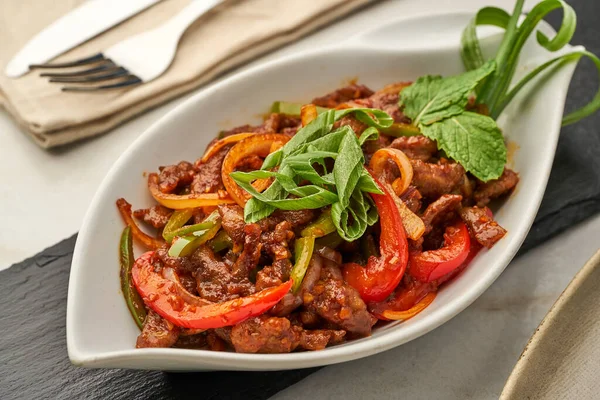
(80, 25)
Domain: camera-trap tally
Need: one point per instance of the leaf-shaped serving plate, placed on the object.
(100, 331)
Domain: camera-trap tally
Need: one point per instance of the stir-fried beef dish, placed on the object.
(308, 230)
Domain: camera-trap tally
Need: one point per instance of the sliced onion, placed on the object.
(260, 145)
(146, 240)
(379, 160)
(413, 225)
(411, 312)
(219, 144)
(178, 289)
(180, 202)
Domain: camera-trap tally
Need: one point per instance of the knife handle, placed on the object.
(177, 25)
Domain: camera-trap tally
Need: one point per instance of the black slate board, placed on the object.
(33, 355)
(33, 352)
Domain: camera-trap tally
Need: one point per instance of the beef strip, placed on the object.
(351, 121)
(286, 305)
(232, 217)
(485, 192)
(188, 282)
(335, 300)
(342, 95)
(434, 180)
(232, 221)
(250, 163)
(309, 319)
(173, 177)
(208, 175)
(215, 343)
(274, 275)
(198, 215)
(321, 338)
(248, 259)
(275, 242)
(270, 124)
(157, 216)
(215, 282)
(412, 198)
(157, 332)
(386, 99)
(264, 334)
(416, 147)
(224, 334)
(180, 264)
(440, 209)
(481, 226)
(289, 124)
(296, 218)
(276, 245)
(197, 342)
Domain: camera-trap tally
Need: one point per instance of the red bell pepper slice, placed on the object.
(380, 277)
(405, 297)
(430, 265)
(160, 294)
(412, 291)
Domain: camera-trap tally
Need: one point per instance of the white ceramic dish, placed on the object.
(100, 331)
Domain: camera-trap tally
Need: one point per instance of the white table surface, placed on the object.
(44, 196)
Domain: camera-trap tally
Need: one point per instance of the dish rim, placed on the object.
(331, 355)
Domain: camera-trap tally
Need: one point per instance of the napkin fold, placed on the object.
(227, 36)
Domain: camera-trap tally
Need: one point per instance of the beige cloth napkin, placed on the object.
(234, 33)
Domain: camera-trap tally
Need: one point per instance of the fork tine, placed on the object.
(83, 61)
(133, 80)
(109, 66)
(117, 72)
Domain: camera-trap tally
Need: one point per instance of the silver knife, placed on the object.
(81, 24)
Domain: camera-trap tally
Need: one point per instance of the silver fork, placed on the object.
(137, 59)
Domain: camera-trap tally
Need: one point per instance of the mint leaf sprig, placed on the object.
(437, 106)
(301, 179)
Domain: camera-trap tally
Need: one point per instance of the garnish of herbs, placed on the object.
(322, 166)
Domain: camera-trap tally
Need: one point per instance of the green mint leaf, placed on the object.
(348, 167)
(473, 140)
(318, 127)
(255, 210)
(432, 98)
(352, 221)
(304, 158)
(321, 126)
(308, 196)
(367, 184)
(371, 133)
(371, 116)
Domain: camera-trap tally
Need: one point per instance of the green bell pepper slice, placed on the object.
(303, 250)
(134, 301)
